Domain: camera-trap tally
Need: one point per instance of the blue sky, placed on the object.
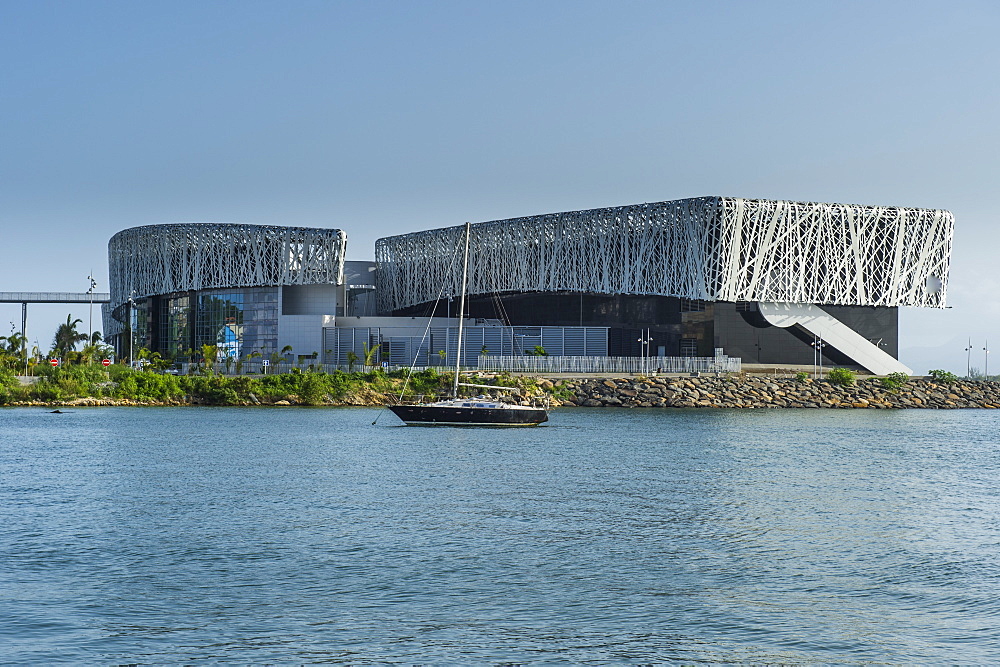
(388, 117)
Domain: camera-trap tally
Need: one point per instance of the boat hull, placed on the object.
(432, 415)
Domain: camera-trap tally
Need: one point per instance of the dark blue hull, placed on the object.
(431, 415)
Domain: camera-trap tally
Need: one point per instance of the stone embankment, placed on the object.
(762, 392)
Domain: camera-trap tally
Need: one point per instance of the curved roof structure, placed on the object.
(713, 248)
(162, 259)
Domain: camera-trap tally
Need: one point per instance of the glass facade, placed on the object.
(238, 322)
(175, 325)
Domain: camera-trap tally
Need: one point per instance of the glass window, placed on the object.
(175, 325)
(238, 322)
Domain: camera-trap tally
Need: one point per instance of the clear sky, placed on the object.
(388, 117)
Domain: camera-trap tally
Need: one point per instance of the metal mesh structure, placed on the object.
(163, 259)
(712, 248)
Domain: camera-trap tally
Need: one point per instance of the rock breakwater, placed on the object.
(748, 391)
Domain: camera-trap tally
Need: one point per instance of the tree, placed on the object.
(352, 358)
(12, 354)
(371, 352)
(94, 349)
(67, 336)
(15, 346)
(286, 353)
(210, 353)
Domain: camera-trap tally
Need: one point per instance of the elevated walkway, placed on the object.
(54, 297)
(835, 333)
(24, 298)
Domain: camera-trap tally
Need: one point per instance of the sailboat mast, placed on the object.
(461, 309)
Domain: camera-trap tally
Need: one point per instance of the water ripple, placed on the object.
(182, 535)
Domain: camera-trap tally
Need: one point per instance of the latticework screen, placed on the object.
(713, 248)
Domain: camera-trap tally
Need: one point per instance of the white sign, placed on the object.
(265, 362)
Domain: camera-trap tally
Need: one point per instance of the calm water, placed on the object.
(309, 535)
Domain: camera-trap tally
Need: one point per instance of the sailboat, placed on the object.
(479, 411)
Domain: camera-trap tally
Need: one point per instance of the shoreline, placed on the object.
(730, 392)
(751, 392)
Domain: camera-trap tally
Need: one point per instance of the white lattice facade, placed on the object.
(161, 259)
(711, 248)
(177, 259)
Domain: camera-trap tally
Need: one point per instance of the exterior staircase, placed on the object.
(835, 333)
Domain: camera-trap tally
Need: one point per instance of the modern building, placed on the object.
(768, 281)
(243, 288)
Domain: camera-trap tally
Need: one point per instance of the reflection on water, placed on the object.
(243, 535)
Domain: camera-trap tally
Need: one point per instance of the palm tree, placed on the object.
(93, 349)
(371, 354)
(67, 336)
(15, 344)
(210, 353)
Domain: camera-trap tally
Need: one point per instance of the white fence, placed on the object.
(516, 364)
(550, 364)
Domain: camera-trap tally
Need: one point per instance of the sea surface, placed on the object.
(242, 535)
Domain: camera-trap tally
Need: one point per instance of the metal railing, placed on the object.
(526, 364)
(516, 364)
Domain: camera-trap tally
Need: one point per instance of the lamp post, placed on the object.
(644, 341)
(131, 333)
(817, 346)
(968, 360)
(986, 361)
(90, 336)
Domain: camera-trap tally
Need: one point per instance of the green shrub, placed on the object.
(942, 376)
(312, 389)
(46, 391)
(842, 377)
(211, 389)
(245, 385)
(562, 392)
(157, 386)
(70, 387)
(126, 387)
(7, 378)
(10, 395)
(895, 381)
(802, 376)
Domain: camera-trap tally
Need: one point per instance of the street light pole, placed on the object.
(986, 361)
(90, 337)
(131, 334)
(968, 360)
(817, 346)
(644, 341)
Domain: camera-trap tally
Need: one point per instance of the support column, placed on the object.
(24, 339)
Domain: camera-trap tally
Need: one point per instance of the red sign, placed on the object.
(54, 362)
(106, 362)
